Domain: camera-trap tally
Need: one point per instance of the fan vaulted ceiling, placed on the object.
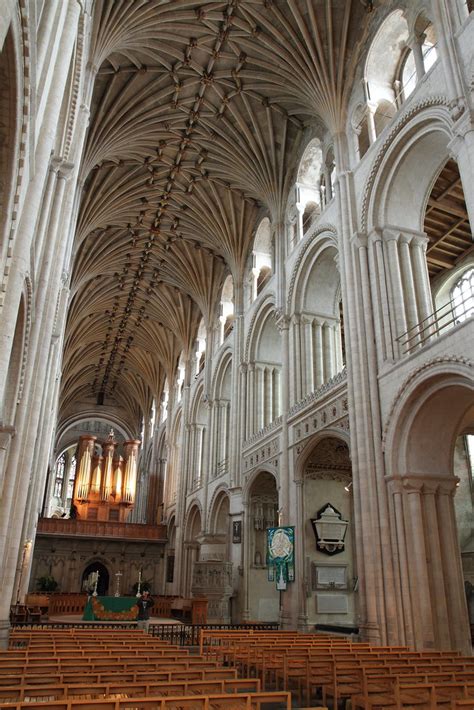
(197, 114)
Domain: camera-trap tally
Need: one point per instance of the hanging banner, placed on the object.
(281, 555)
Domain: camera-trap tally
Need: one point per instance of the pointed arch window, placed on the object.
(59, 475)
(462, 296)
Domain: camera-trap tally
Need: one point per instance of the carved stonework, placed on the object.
(266, 452)
(213, 579)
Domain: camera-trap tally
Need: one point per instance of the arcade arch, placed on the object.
(404, 228)
(193, 527)
(317, 334)
(262, 597)
(330, 576)
(264, 373)
(436, 407)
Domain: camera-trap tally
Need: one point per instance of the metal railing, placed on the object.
(177, 634)
(447, 316)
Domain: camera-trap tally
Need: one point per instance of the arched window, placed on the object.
(462, 296)
(261, 258)
(226, 318)
(407, 75)
(201, 348)
(164, 402)
(71, 477)
(59, 475)
(308, 194)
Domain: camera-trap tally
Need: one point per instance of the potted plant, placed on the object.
(46, 583)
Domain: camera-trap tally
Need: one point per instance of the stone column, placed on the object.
(421, 279)
(415, 42)
(396, 291)
(301, 582)
(288, 610)
(319, 354)
(461, 149)
(246, 561)
(409, 288)
(458, 617)
(423, 618)
(308, 339)
(250, 403)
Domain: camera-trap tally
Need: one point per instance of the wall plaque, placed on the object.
(325, 576)
(332, 604)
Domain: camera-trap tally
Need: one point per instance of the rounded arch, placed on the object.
(383, 57)
(14, 118)
(268, 304)
(326, 233)
(96, 565)
(193, 521)
(253, 478)
(305, 452)
(197, 411)
(219, 511)
(419, 138)
(65, 436)
(324, 240)
(432, 408)
(15, 366)
(258, 327)
(220, 373)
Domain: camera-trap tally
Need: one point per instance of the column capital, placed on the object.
(360, 240)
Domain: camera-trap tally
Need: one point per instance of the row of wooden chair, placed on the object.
(367, 676)
(227, 701)
(96, 669)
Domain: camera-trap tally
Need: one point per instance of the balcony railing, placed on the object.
(96, 528)
(442, 319)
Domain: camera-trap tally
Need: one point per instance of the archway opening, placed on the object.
(191, 547)
(103, 581)
(263, 597)
(331, 600)
(425, 453)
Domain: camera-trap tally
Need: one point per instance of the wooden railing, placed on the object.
(62, 604)
(97, 528)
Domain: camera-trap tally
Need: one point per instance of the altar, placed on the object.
(110, 609)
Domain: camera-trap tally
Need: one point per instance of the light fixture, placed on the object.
(348, 487)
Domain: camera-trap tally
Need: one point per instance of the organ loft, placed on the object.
(105, 483)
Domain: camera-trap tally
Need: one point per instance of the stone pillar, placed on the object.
(308, 339)
(250, 403)
(371, 109)
(246, 561)
(415, 42)
(421, 279)
(461, 149)
(433, 600)
(319, 354)
(396, 292)
(301, 582)
(409, 287)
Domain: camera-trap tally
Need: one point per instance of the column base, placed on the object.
(370, 632)
(302, 624)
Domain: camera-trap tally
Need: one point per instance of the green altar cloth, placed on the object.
(110, 609)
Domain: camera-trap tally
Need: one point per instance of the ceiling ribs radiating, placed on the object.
(197, 114)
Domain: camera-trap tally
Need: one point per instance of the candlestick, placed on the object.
(117, 584)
